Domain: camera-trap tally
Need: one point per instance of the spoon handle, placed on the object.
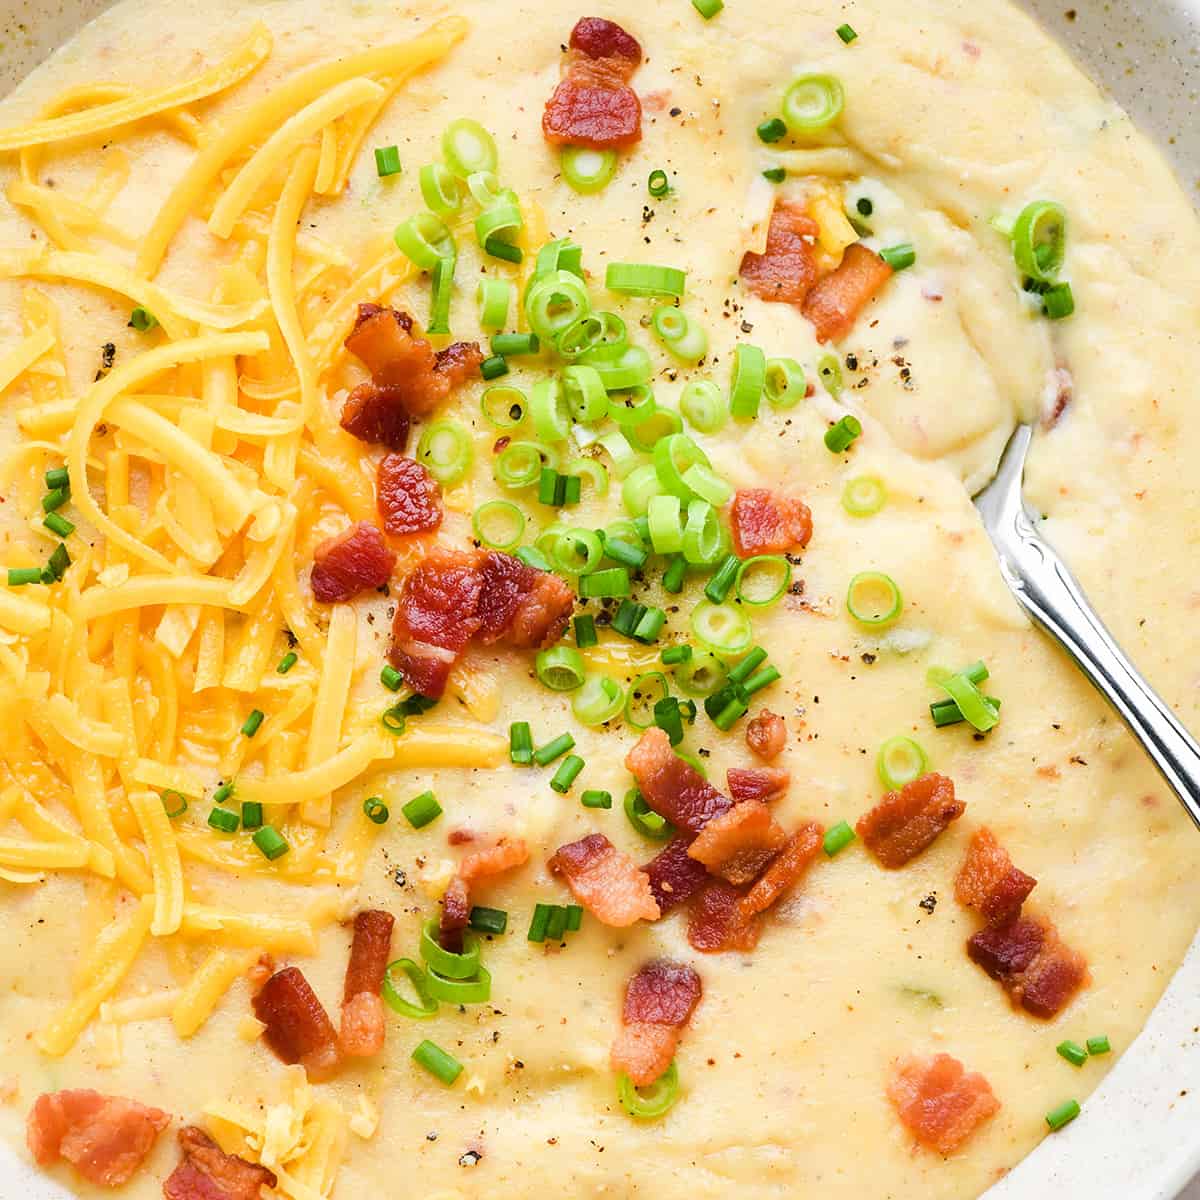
(1047, 590)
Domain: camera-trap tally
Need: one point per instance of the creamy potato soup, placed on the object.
(505, 692)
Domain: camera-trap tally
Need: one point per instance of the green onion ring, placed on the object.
(499, 525)
(593, 471)
(830, 371)
(643, 279)
(702, 675)
(576, 551)
(1039, 240)
(647, 822)
(661, 423)
(425, 240)
(630, 368)
(484, 187)
(683, 337)
(520, 464)
(613, 340)
(784, 384)
(476, 990)
(749, 585)
(624, 457)
(721, 627)
(976, 708)
(704, 482)
(467, 148)
(443, 290)
(648, 1104)
(640, 487)
(584, 390)
(864, 495)
(445, 450)
(426, 1006)
(673, 456)
(548, 408)
(494, 297)
(749, 377)
(666, 524)
(900, 761)
(560, 668)
(638, 704)
(554, 302)
(628, 407)
(598, 701)
(587, 170)
(503, 405)
(440, 190)
(500, 218)
(703, 543)
(446, 963)
(873, 599)
(703, 406)
(813, 102)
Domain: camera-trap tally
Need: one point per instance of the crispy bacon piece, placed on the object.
(834, 304)
(608, 883)
(456, 912)
(409, 498)
(766, 735)
(671, 787)
(364, 1025)
(208, 1173)
(593, 105)
(757, 783)
(675, 877)
(904, 823)
(764, 522)
(105, 1138)
(377, 416)
(989, 883)
(939, 1102)
(404, 368)
(738, 844)
(1033, 964)
(717, 923)
(298, 1028)
(352, 562)
(787, 868)
(659, 1002)
(644, 1051)
(523, 606)
(503, 856)
(787, 268)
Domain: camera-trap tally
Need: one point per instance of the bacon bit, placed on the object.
(352, 562)
(989, 883)
(766, 735)
(377, 416)
(460, 837)
(1064, 393)
(404, 368)
(662, 993)
(738, 844)
(834, 304)
(674, 875)
(364, 1025)
(1033, 964)
(787, 868)
(939, 1102)
(671, 787)
(105, 1138)
(207, 1173)
(787, 268)
(594, 105)
(456, 912)
(298, 1028)
(506, 854)
(764, 522)
(757, 783)
(904, 823)
(644, 1051)
(717, 923)
(409, 498)
(608, 883)
(526, 607)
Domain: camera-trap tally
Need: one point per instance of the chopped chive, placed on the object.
(1099, 1045)
(57, 523)
(574, 917)
(537, 926)
(224, 820)
(252, 723)
(54, 500)
(513, 345)
(142, 320)
(19, 576)
(1059, 302)
(760, 680)
(223, 792)
(947, 712)
(775, 174)
(573, 489)
(287, 662)
(622, 552)
(1073, 1052)
(708, 8)
(1064, 1114)
(846, 33)
(520, 743)
(676, 654)
(838, 437)
(387, 161)
(721, 583)
(612, 581)
(391, 678)
(375, 810)
(60, 560)
(497, 247)
(658, 184)
(900, 257)
(545, 755)
(422, 809)
(252, 814)
(674, 575)
(585, 631)
(556, 923)
(271, 843)
(594, 798)
(174, 803)
(627, 616)
(568, 771)
(649, 626)
(437, 1062)
(772, 130)
(57, 477)
(733, 712)
(669, 719)
(488, 920)
(755, 657)
(838, 838)
(494, 367)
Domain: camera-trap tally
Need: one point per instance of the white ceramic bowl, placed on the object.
(1139, 1138)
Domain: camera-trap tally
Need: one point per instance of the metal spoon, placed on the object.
(1047, 590)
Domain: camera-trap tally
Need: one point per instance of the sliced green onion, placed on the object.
(703, 406)
(577, 551)
(1073, 1052)
(568, 771)
(708, 8)
(485, 188)
(647, 822)
(674, 655)
(287, 662)
(598, 701)
(813, 102)
(174, 803)
(499, 525)
(585, 394)
(52, 501)
(775, 174)
(700, 480)
(632, 407)
(503, 406)
(20, 576)
(840, 436)
(630, 368)
(946, 712)
(224, 792)
(548, 408)
(554, 302)
(612, 581)
(650, 1103)
(703, 674)
(531, 556)
(252, 815)
(975, 708)
(445, 962)
(658, 185)
(515, 345)
(476, 990)
(387, 161)
(270, 842)
(625, 553)
(594, 798)
(426, 1005)
(143, 320)
(560, 668)
(720, 585)
(425, 240)
(585, 631)
(748, 665)
(1058, 302)
(594, 472)
(582, 335)
(666, 526)
(422, 809)
(647, 434)
(784, 383)
(721, 627)
(846, 33)
(588, 170)
(495, 299)
(873, 599)
(559, 255)
(224, 820)
(643, 279)
(437, 1062)
(640, 487)
(645, 691)
(445, 450)
(443, 290)
(467, 147)
(374, 810)
(500, 222)
(732, 712)
(57, 477)
(669, 716)
(488, 920)
(543, 756)
(57, 564)
(1064, 1114)
(520, 743)
(771, 130)
(830, 371)
(440, 190)
(749, 378)
(58, 524)
(676, 572)
(837, 838)
(702, 536)
(251, 724)
(494, 367)
(1099, 1045)
(864, 496)
(1039, 240)
(520, 464)
(683, 337)
(673, 457)
(761, 580)
(900, 761)
(899, 257)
